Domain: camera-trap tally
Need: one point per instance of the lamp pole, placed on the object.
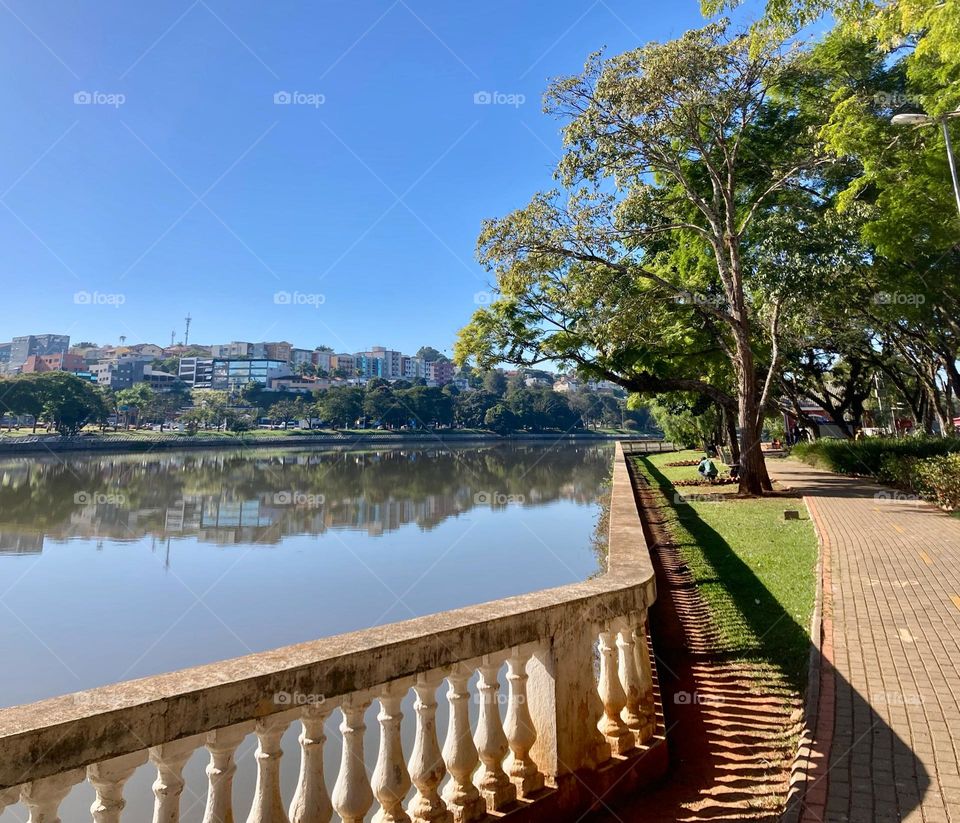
(927, 120)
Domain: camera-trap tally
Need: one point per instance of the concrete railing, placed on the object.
(580, 718)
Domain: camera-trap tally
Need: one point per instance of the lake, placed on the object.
(119, 566)
(114, 567)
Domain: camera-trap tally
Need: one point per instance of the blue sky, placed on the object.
(177, 184)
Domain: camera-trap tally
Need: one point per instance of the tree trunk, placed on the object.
(731, 426)
(754, 479)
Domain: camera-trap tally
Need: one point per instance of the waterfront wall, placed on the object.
(582, 716)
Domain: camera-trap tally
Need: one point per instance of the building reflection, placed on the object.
(261, 497)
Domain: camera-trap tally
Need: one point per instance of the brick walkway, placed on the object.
(888, 734)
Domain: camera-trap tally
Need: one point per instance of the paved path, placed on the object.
(888, 734)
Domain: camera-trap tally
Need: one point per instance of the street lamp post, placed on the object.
(927, 120)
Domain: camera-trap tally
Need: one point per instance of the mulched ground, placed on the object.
(726, 480)
(731, 730)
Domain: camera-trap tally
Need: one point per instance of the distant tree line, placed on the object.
(499, 405)
(66, 403)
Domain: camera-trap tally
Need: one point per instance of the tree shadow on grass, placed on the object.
(733, 707)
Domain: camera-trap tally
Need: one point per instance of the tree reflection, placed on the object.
(261, 496)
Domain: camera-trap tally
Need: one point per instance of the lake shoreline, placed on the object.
(96, 443)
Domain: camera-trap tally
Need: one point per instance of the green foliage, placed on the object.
(69, 402)
(138, 398)
(429, 354)
(341, 405)
(872, 455)
(494, 382)
(63, 400)
(500, 419)
(938, 479)
(686, 419)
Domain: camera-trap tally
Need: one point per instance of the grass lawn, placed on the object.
(755, 570)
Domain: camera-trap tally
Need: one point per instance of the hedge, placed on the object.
(870, 455)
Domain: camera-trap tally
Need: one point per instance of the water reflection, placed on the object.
(150, 563)
(262, 496)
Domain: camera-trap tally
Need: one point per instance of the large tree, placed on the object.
(639, 271)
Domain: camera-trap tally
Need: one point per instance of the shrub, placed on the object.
(868, 456)
(938, 479)
(898, 471)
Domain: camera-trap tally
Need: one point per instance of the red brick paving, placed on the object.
(888, 727)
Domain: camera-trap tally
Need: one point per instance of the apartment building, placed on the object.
(61, 361)
(196, 372)
(392, 361)
(229, 374)
(39, 344)
(440, 372)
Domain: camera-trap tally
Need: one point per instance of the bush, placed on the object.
(926, 466)
(872, 455)
(898, 471)
(938, 479)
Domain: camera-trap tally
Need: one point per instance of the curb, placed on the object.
(802, 770)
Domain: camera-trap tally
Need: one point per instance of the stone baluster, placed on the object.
(460, 752)
(12, 795)
(170, 758)
(107, 778)
(426, 763)
(391, 781)
(267, 802)
(311, 803)
(636, 677)
(352, 796)
(614, 699)
(494, 785)
(43, 797)
(518, 725)
(222, 745)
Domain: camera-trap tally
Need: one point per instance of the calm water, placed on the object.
(115, 567)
